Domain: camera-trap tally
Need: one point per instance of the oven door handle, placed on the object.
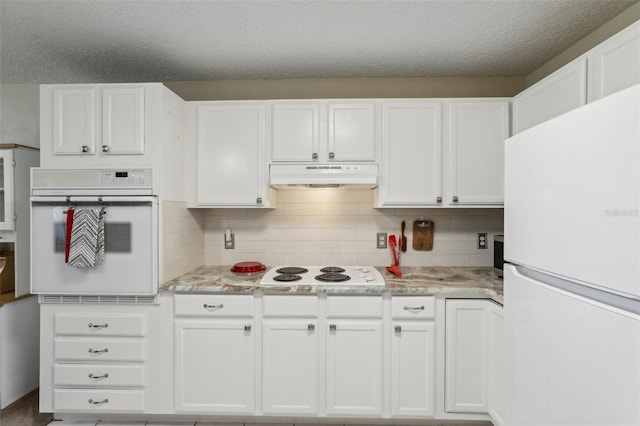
(109, 199)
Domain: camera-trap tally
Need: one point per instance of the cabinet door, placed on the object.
(560, 92)
(496, 359)
(412, 369)
(123, 120)
(290, 366)
(6, 190)
(477, 131)
(214, 366)
(466, 356)
(74, 120)
(411, 153)
(615, 64)
(230, 154)
(352, 131)
(354, 367)
(295, 131)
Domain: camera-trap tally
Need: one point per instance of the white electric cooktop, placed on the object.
(323, 276)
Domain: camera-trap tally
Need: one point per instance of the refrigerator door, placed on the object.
(572, 195)
(572, 361)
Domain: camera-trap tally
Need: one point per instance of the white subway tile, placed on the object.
(450, 259)
(301, 259)
(290, 196)
(216, 222)
(333, 259)
(320, 246)
(283, 246)
(337, 209)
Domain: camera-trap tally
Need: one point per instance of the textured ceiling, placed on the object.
(115, 41)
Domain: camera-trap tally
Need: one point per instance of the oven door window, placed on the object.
(130, 263)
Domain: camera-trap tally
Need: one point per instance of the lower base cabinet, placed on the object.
(496, 364)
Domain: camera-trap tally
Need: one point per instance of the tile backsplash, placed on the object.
(339, 226)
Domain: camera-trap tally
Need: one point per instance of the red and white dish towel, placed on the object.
(84, 240)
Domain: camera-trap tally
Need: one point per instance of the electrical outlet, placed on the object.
(381, 238)
(482, 240)
(230, 241)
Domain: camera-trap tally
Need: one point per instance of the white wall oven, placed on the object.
(93, 232)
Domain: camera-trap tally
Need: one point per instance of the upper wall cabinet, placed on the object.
(560, 92)
(109, 125)
(323, 131)
(476, 133)
(229, 157)
(98, 119)
(615, 63)
(443, 159)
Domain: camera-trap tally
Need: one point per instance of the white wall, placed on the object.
(321, 227)
(20, 114)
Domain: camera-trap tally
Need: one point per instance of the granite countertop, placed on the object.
(480, 282)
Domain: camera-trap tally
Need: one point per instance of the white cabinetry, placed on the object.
(560, 92)
(443, 153)
(229, 157)
(615, 63)
(496, 397)
(411, 154)
(290, 363)
(15, 225)
(354, 358)
(476, 134)
(214, 354)
(413, 356)
(466, 355)
(108, 119)
(323, 131)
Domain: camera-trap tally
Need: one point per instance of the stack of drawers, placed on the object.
(99, 362)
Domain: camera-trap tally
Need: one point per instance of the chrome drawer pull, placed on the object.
(311, 327)
(101, 351)
(105, 325)
(220, 306)
(104, 376)
(413, 308)
(397, 329)
(247, 327)
(332, 327)
(104, 401)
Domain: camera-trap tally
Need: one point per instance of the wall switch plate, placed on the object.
(381, 240)
(482, 240)
(230, 242)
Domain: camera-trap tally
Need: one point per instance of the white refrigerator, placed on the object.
(572, 282)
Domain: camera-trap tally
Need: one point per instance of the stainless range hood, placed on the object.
(291, 176)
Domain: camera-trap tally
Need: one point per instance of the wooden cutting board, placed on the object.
(423, 235)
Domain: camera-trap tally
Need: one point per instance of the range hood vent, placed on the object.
(292, 176)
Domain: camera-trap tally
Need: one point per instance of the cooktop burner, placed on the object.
(287, 277)
(292, 270)
(332, 277)
(318, 276)
(332, 269)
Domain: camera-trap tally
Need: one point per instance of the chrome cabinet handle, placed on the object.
(455, 198)
(85, 148)
(314, 156)
(104, 401)
(220, 306)
(106, 148)
(311, 327)
(438, 199)
(397, 329)
(413, 308)
(104, 376)
(247, 327)
(332, 155)
(332, 327)
(98, 351)
(259, 200)
(105, 325)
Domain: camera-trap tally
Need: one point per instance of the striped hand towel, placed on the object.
(86, 247)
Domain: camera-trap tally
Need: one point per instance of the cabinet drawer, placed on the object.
(211, 305)
(290, 306)
(413, 306)
(98, 400)
(98, 375)
(98, 350)
(99, 325)
(354, 306)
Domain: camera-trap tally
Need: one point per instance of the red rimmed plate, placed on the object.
(248, 267)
